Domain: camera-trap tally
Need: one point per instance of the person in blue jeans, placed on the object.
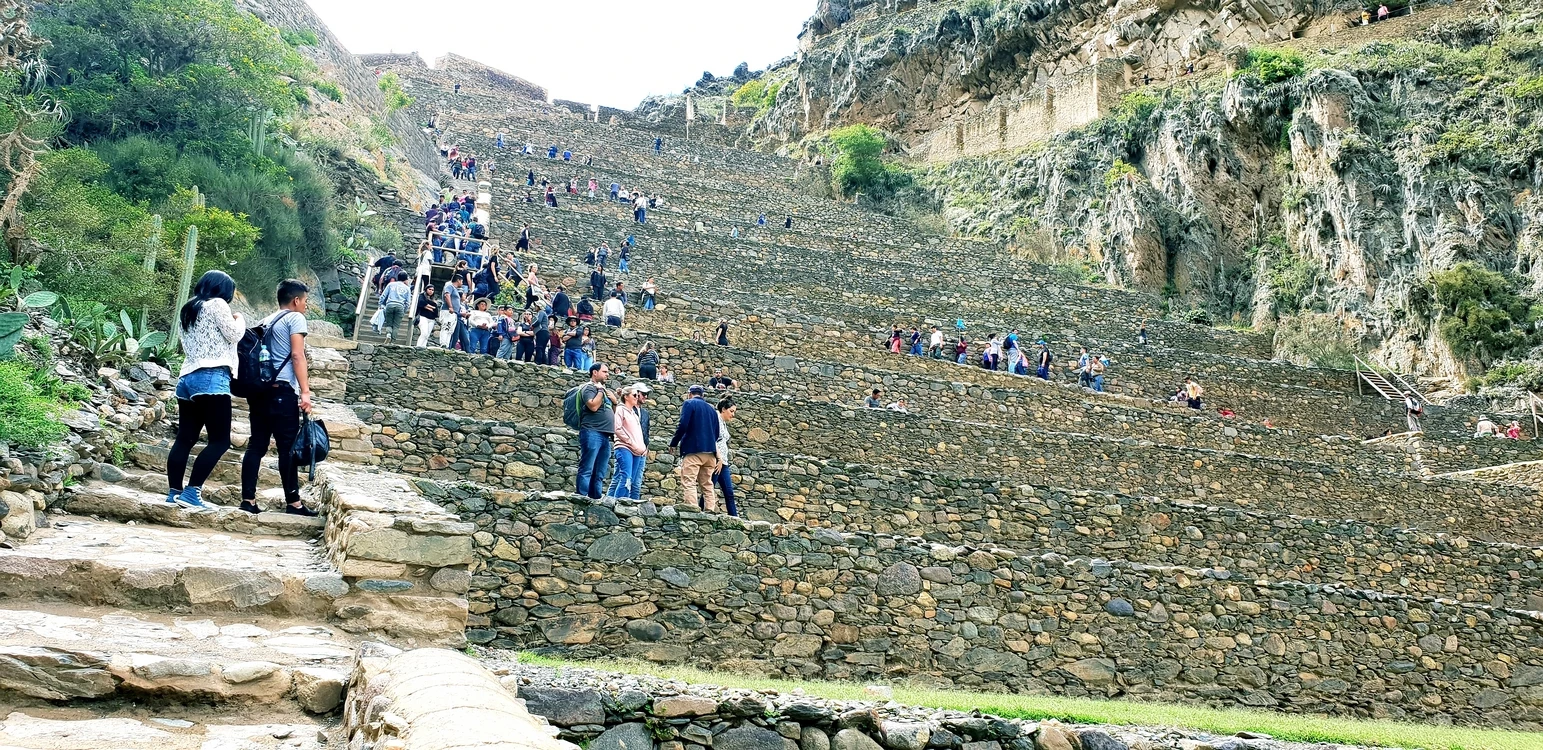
(724, 475)
(573, 345)
(630, 449)
(597, 423)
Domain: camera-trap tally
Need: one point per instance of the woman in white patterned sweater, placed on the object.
(210, 332)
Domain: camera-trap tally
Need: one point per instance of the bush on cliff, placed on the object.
(1482, 317)
(858, 166)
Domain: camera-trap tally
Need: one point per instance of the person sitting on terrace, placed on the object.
(1486, 428)
(585, 309)
(650, 294)
(872, 401)
(899, 406)
(1514, 430)
(665, 376)
(721, 382)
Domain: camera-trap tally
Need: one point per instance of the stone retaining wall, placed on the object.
(976, 395)
(1439, 454)
(485, 388)
(403, 559)
(715, 592)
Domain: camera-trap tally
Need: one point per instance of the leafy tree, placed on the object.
(142, 168)
(857, 166)
(191, 71)
(1482, 315)
(90, 241)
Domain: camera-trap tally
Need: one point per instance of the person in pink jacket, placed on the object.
(631, 448)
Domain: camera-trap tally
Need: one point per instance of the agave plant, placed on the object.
(104, 340)
(11, 323)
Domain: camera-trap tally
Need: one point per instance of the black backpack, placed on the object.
(253, 376)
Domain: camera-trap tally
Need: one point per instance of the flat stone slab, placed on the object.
(61, 651)
(24, 731)
(101, 563)
(123, 502)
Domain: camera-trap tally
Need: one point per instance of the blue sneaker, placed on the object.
(172, 495)
(191, 498)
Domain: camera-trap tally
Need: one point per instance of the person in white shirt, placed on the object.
(615, 311)
(935, 344)
(1485, 428)
(898, 406)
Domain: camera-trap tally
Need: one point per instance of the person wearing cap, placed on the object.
(1486, 428)
(630, 448)
(1044, 360)
(696, 442)
(597, 423)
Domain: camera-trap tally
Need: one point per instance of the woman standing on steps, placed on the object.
(210, 332)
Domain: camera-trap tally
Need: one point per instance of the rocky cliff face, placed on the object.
(913, 67)
(1317, 183)
(1338, 189)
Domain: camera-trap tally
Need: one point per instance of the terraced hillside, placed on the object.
(1007, 534)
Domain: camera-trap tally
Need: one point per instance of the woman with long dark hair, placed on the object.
(210, 332)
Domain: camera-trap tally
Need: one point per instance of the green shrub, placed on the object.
(758, 93)
(92, 241)
(1272, 66)
(1521, 374)
(1482, 315)
(981, 9)
(1317, 340)
(329, 90)
(176, 68)
(299, 37)
(30, 403)
(1293, 277)
(858, 166)
(396, 96)
(1117, 172)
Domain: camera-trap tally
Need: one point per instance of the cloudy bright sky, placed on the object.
(611, 52)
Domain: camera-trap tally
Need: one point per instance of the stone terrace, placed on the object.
(1010, 533)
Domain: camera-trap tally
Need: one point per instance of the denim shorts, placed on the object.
(207, 381)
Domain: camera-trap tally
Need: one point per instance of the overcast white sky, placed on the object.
(611, 52)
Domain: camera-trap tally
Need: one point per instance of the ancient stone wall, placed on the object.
(482, 387)
(458, 67)
(940, 508)
(570, 578)
(402, 560)
(1047, 110)
(382, 60)
(1444, 454)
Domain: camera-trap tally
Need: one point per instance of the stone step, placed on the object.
(140, 498)
(191, 570)
(169, 728)
(64, 652)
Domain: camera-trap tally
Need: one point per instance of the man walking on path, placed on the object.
(1413, 411)
(597, 422)
(1044, 361)
(275, 410)
(696, 442)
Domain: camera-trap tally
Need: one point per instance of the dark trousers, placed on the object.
(275, 416)
(542, 339)
(525, 350)
(724, 478)
(210, 413)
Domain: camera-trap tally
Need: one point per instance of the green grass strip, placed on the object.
(1224, 721)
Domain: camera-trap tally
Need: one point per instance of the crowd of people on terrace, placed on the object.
(1004, 352)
